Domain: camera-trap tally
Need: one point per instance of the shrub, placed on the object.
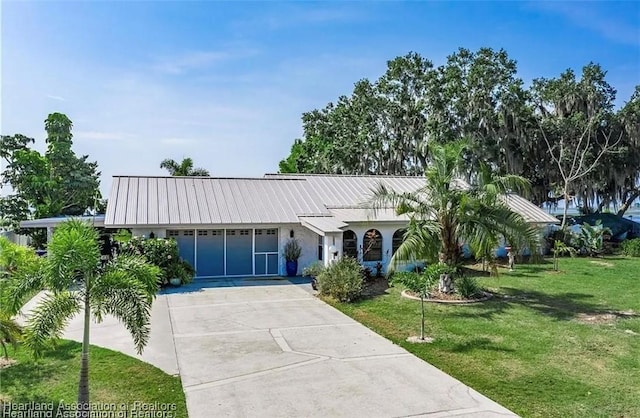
(342, 280)
(467, 287)
(313, 270)
(416, 282)
(631, 247)
(159, 251)
(162, 253)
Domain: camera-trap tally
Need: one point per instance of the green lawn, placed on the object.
(113, 378)
(533, 352)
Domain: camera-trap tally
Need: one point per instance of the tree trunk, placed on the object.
(83, 385)
(422, 324)
(566, 206)
(445, 284)
(627, 204)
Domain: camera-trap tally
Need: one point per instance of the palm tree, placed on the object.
(76, 280)
(447, 212)
(184, 168)
(16, 263)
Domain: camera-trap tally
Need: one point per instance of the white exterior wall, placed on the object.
(386, 230)
(307, 239)
(158, 232)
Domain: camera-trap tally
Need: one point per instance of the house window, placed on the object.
(350, 244)
(244, 232)
(203, 233)
(271, 231)
(258, 231)
(398, 237)
(320, 247)
(172, 233)
(231, 232)
(372, 246)
(187, 233)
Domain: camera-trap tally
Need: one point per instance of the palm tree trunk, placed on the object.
(422, 324)
(83, 385)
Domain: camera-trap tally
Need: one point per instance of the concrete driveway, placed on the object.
(269, 348)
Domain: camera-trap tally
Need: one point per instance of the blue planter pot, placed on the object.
(292, 268)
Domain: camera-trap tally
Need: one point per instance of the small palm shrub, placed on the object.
(342, 280)
(631, 247)
(467, 287)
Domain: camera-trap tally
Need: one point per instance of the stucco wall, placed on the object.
(158, 232)
(308, 241)
(386, 230)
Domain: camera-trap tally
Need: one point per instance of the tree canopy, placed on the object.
(55, 183)
(385, 126)
(184, 168)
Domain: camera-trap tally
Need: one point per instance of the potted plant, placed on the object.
(291, 254)
(175, 272)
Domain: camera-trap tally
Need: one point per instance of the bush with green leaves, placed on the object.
(590, 240)
(467, 287)
(342, 280)
(159, 251)
(162, 253)
(313, 270)
(631, 247)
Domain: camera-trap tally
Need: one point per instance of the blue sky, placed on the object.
(226, 82)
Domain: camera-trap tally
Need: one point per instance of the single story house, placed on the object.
(238, 226)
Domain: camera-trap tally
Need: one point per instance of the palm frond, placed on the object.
(10, 332)
(148, 275)
(126, 298)
(48, 320)
(73, 253)
(420, 242)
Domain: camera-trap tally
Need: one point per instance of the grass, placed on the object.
(529, 350)
(113, 378)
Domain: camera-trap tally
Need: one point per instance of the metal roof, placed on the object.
(530, 212)
(273, 199)
(322, 224)
(345, 191)
(97, 220)
(205, 200)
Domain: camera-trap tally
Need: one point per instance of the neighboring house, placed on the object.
(238, 226)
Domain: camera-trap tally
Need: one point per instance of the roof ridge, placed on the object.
(340, 175)
(203, 177)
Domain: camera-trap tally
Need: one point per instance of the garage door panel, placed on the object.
(210, 253)
(266, 240)
(186, 244)
(239, 252)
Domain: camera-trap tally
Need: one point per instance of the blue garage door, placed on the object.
(239, 252)
(210, 253)
(266, 252)
(186, 244)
